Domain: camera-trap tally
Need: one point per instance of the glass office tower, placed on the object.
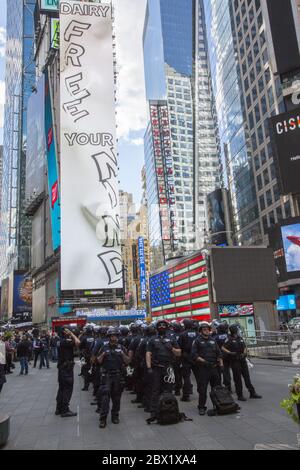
(19, 79)
(234, 137)
(181, 146)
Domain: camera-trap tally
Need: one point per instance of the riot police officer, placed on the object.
(112, 360)
(86, 347)
(208, 358)
(185, 342)
(134, 362)
(176, 331)
(65, 365)
(160, 358)
(222, 336)
(236, 349)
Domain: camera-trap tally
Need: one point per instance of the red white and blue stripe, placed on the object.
(181, 291)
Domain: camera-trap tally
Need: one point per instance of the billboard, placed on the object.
(90, 230)
(52, 168)
(233, 310)
(36, 145)
(286, 142)
(142, 265)
(181, 290)
(54, 34)
(286, 302)
(22, 296)
(49, 6)
(291, 245)
(243, 275)
(284, 36)
(4, 297)
(216, 218)
(112, 315)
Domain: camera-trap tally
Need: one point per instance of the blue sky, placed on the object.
(132, 108)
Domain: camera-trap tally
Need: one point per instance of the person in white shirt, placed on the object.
(2, 362)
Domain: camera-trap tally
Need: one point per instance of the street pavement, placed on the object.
(30, 402)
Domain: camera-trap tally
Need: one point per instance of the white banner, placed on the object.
(90, 238)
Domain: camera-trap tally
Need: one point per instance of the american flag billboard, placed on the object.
(181, 290)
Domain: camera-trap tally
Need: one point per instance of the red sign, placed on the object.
(54, 194)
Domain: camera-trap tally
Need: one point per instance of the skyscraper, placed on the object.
(20, 77)
(181, 145)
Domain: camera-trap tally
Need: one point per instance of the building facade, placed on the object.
(181, 144)
(15, 228)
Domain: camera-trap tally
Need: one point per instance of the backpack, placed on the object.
(168, 410)
(223, 402)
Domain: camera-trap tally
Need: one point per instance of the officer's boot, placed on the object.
(255, 395)
(103, 423)
(115, 419)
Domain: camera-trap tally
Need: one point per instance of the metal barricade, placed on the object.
(276, 345)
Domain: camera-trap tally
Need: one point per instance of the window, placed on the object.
(262, 203)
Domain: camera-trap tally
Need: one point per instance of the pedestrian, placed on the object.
(36, 348)
(176, 331)
(44, 350)
(2, 362)
(208, 358)
(9, 354)
(112, 360)
(236, 350)
(65, 364)
(53, 345)
(160, 358)
(23, 354)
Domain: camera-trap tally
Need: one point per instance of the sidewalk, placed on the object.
(30, 401)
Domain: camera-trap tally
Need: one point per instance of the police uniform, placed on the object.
(135, 364)
(163, 361)
(208, 372)
(221, 339)
(86, 347)
(111, 380)
(177, 365)
(239, 366)
(185, 343)
(65, 365)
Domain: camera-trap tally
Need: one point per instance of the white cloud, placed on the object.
(2, 102)
(131, 106)
(2, 41)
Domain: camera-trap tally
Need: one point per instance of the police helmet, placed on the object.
(134, 328)
(161, 323)
(175, 326)
(124, 330)
(203, 325)
(103, 330)
(89, 330)
(112, 331)
(187, 323)
(222, 328)
(195, 326)
(234, 329)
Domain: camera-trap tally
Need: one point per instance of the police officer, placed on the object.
(86, 347)
(124, 338)
(176, 331)
(65, 364)
(185, 343)
(208, 358)
(112, 360)
(100, 342)
(134, 362)
(222, 336)
(235, 348)
(160, 359)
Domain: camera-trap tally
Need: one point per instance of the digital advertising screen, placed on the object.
(291, 244)
(286, 302)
